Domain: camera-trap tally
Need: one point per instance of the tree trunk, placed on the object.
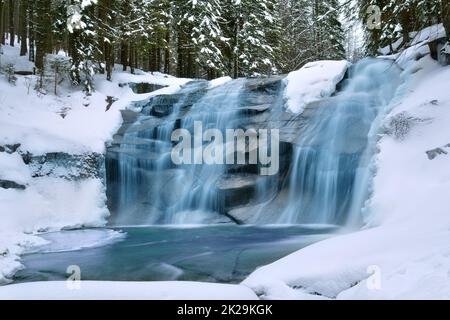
(23, 27)
(43, 29)
(405, 23)
(124, 54)
(446, 16)
(158, 59)
(109, 60)
(2, 21)
(151, 59)
(180, 61)
(12, 35)
(31, 33)
(132, 57)
(167, 54)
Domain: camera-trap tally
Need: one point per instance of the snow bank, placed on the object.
(11, 56)
(314, 81)
(70, 123)
(403, 252)
(91, 290)
(13, 168)
(46, 204)
(420, 38)
(429, 34)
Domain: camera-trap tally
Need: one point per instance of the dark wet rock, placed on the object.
(251, 110)
(110, 101)
(161, 110)
(10, 148)
(7, 184)
(432, 154)
(236, 189)
(24, 73)
(66, 166)
(144, 87)
(268, 85)
(129, 116)
(435, 152)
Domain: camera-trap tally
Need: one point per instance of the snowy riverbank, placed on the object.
(403, 252)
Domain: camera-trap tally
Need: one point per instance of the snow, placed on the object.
(13, 168)
(10, 56)
(75, 240)
(402, 252)
(418, 46)
(68, 122)
(314, 81)
(63, 123)
(218, 82)
(429, 34)
(91, 290)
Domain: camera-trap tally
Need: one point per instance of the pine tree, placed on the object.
(82, 42)
(249, 24)
(107, 34)
(207, 35)
(296, 24)
(328, 34)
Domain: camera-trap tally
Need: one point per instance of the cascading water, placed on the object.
(330, 174)
(324, 177)
(182, 194)
(325, 169)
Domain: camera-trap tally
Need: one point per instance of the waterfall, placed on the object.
(325, 153)
(330, 174)
(151, 189)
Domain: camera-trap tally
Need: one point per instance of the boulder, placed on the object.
(6, 184)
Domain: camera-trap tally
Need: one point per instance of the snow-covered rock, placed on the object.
(314, 81)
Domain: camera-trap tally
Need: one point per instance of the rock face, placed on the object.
(142, 186)
(63, 165)
(143, 87)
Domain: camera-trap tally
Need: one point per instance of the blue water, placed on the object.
(224, 254)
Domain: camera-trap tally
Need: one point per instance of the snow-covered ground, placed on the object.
(66, 123)
(91, 290)
(403, 252)
(314, 81)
